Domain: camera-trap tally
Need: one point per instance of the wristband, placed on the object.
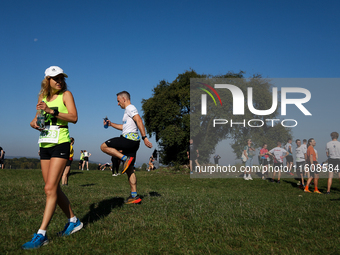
(55, 113)
(143, 137)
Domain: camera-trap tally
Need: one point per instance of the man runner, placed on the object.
(128, 142)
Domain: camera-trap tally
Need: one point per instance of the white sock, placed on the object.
(73, 219)
(43, 232)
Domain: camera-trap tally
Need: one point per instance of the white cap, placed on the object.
(53, 71)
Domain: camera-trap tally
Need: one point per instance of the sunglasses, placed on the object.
(58, 78)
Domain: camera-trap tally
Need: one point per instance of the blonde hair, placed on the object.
(46, 90)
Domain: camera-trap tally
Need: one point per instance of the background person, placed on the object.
(300, 162)
(59, 109)
(289, 159)
(86, 160)
(333, 154)
(192, 153)
(249, 152)
(151, 166)
(279, 154)
(81, 160)
(313, 164)
(64, 179)
(115, 166)
(2, 158)
(264, 161)
(216, 159)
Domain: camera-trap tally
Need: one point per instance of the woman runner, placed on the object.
(54, 142)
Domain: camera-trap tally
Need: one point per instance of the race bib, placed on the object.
(49, 135)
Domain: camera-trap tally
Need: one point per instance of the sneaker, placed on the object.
(133, 200)
(317, 191)
(246, 178)
(249, 178)
(71, 228)
(327, 193)
(127, 163)
(272, 180)
(278, 182)
(37, 241)
(263, 178)
(307, 190)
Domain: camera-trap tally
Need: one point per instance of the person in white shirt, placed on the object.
(289, 159)
(86, 160)
(279, 154)
(300, 161)
(333, 154)
(304, 148)
(128, 142)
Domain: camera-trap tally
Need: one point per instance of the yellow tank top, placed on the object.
(56, 104)
(71, 151)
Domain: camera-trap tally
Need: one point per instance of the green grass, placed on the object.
(178, 215)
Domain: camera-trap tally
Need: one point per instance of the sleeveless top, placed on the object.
(56, 104)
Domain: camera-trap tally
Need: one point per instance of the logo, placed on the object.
(204, 98)
(238, 100)
(238, 104)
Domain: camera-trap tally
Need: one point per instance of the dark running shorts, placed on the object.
(277, 167)
(264, 161)
(69, 162)
(300, 167)
(289, 158)
(128, 146)
(58, 151)
(334, 165)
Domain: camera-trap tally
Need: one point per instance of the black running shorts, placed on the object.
(129, 147)
(58, 151)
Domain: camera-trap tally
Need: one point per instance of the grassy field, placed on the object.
(178, 215)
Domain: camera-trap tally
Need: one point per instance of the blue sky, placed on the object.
(109, 46)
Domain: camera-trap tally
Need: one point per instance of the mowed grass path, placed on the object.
(178, 215)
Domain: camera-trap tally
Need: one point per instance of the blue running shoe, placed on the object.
(71, 228)
(37, 241)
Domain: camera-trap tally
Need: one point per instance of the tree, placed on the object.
(173, 115)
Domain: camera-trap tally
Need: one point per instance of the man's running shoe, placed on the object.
(133, 200)
(317, 191)
(127, 163)
(71, 228)
(278, 182)
(37, 241)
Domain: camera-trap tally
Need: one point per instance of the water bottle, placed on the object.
(41, 119)
(106, 125)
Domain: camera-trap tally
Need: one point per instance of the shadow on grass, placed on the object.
(87, 185)
(102, 210)
(73, 173)
(294, 184)
(154, 194)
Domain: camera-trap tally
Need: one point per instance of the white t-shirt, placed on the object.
(299, 154)
(86, 154)
(304, 147)
(278, 153)
(287, 148)
(129, 125)
(333, 149)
